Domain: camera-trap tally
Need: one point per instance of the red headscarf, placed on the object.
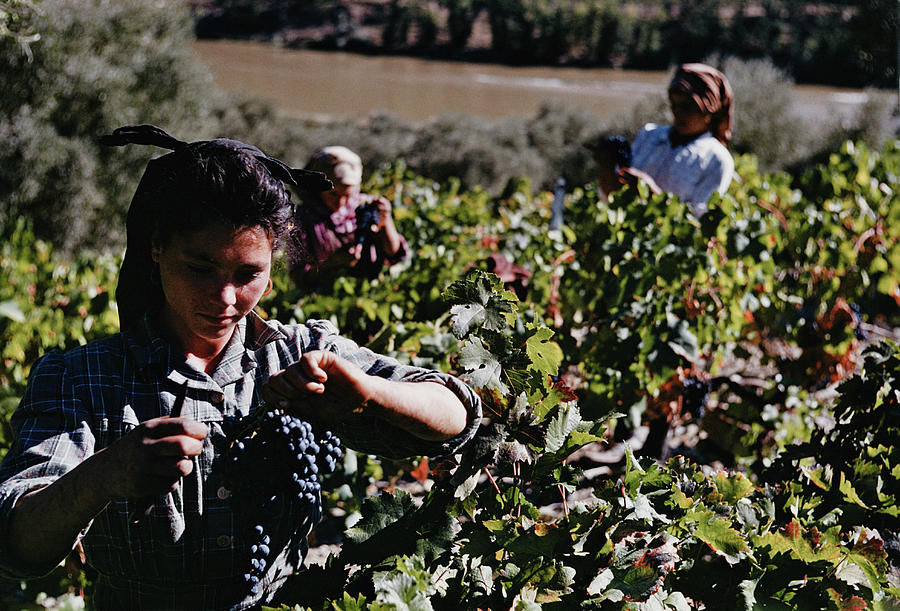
(712, 93)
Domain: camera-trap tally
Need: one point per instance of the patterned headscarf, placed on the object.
(136, 291)
(712, 93)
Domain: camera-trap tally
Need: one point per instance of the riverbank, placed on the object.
(829, 43)
(316, 84)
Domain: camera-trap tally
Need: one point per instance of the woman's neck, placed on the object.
(678, 139)
(202, 354)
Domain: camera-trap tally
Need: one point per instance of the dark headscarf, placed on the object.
(137, 291)
(712, 93)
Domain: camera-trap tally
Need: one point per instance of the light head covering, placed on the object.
(340, 164)
(711, 91)
(136, 291)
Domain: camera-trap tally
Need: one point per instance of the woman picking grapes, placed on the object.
(690, 158)
(128, 444)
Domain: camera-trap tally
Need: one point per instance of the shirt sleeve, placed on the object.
(715, 179)
(52, 436)
(376, 436)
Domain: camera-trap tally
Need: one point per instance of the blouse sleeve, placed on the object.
(52, 435)
(716, 179)
(374, 435)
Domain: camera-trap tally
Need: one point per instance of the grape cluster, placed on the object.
(694, 395)
(621, 149)
(275, 457)
(367, 215)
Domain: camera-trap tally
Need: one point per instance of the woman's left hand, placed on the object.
(320, 381)
(630, 176)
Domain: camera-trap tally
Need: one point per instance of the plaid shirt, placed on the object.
(191, 551)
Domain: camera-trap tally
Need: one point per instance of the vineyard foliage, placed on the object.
(777, 300)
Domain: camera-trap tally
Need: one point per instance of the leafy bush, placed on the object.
(625, 301)
(97, 66)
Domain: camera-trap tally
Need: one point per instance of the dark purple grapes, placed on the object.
(273, 459)
(694, 395)
(367, 215)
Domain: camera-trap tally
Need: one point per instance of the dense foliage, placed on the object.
(841, 43)
(98, 66)
(788, 499)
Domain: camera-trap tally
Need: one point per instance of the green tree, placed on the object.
(97, 66)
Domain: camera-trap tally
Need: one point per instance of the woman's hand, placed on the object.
(150, 459)
(321, 383)
(389, 236)
(630, 176)
(326, 386)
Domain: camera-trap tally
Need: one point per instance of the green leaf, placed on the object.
(546, 356)
(733, 487)
(849, 492)
(378, 512)
(560, 426)
(483, 370)
(719, 535)
(403, 592)
(479, 300)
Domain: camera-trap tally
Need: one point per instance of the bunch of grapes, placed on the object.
(269, 457)
(621, 149)
(694, 395)
(367, 215)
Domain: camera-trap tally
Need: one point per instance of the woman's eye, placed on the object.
(198, 270)
(247, 277)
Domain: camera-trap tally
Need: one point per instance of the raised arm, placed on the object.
(326, 386)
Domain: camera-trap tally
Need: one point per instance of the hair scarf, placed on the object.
(712, 93)
(136, 291)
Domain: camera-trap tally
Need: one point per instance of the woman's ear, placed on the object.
(155, 248)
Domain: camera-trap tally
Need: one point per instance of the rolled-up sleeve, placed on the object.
(51, 436)
(376, 436)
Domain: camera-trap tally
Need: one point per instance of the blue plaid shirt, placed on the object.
(191, 551)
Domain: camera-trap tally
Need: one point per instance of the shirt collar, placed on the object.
(154, 355)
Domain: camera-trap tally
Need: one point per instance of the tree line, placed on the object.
(841, 43)
(98, 66)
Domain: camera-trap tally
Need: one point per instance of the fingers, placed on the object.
(303, 377)
(168, 427)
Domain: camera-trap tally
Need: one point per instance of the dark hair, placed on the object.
(219, 183)
(196, 184)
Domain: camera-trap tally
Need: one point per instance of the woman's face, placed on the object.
(211, 278)
(688, 118)
(338, 197)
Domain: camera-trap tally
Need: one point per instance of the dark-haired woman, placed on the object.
(142, 414)
(689, 158)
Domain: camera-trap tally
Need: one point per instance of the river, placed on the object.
(325, 84)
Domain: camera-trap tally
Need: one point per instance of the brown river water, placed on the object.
(324, 84)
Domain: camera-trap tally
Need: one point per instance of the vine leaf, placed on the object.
(733, 487)
(719, 535)
(379, 512)
(562, 424)
(479, 300)
(483, 369)
(545, 355)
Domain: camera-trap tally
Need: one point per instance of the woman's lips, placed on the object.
(216, 319)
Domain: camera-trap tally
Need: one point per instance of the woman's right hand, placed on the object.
(150, 459)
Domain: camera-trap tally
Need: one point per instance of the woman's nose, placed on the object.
(228, 294)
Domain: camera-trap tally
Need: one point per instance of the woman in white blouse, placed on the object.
(689, 158)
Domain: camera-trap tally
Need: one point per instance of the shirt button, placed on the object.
(223, 493)
(217, 397)
(223, 540)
